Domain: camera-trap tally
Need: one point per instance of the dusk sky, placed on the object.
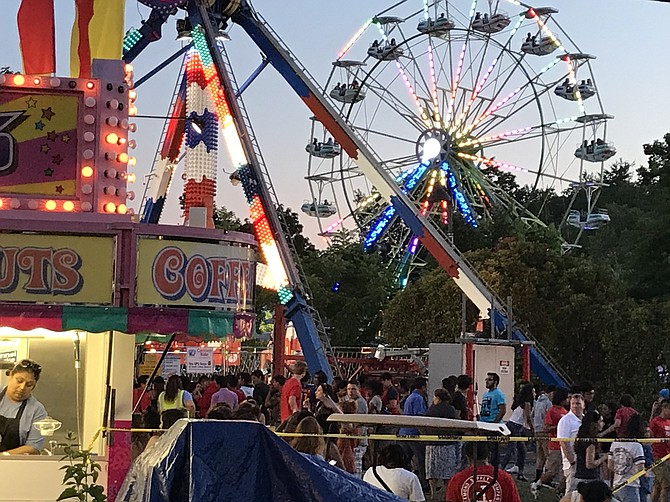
(631, 71)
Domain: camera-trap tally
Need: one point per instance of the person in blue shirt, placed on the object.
(493, 407)
(415, 404)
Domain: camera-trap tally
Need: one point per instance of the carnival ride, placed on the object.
(469, 96)
(458, 109)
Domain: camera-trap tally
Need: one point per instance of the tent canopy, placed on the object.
(219, 461)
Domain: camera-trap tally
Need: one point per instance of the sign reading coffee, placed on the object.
(193, 273)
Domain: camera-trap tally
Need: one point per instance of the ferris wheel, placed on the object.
(447, 94)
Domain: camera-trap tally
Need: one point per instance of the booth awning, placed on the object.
(207, 324)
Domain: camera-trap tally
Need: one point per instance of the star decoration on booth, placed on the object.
(47, 113)
(45, 148)
(39, 125)
(52, 135)
(57, 159)
(65, 138)
(59, 188)
(48, 172)
(31, 102)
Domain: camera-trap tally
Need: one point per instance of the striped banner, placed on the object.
(37, 36)
(97, 33)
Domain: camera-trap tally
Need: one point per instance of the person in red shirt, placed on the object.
(291, 392)
(144, 400)
(622, 416)
(234, 385)
(660, 428)
(462, 486)
(206, 399)
(554, 464)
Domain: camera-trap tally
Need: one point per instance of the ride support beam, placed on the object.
(279, 341)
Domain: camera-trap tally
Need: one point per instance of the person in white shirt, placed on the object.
(567, 428)
(392, 477)
(540, 409)
(626, 458)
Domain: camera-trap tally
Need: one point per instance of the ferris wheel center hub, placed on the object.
(433, 145)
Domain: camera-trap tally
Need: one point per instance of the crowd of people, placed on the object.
(580, 470)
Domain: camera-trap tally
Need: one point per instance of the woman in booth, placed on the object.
(19, 410)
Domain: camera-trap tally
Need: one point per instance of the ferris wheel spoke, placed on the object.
(386, 96)
(490, 162)
(512, 108)
(459, 65)
(493, 108)
(482, 80)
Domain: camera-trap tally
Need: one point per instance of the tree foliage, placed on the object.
(601, 311)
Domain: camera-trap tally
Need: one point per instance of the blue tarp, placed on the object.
(221, 461)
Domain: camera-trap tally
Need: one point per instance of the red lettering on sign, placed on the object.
(197, 278)
(49, 271)
(219, 276)
(66, 277)
(35, 262)
(213, 280)
(166, 273)
(234, 267)
(9, 271)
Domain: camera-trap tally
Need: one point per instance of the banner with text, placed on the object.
(171, 272)
(199, 360)
(56, 268)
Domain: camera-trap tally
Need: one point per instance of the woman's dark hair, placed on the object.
(290, 424)
(443, 395)
(594, 491)
(26, 366)
(280, 379)
(320, 377)
(313, 445)
(626, 400)
(221, 411)
(588, 429)
(233, 381)
(246, 378)
(169, 417)
(375, 386)
(634, 427)
(392, 457)
(247, 411)
(560, 395)
(172, 388)
(152, 419)
(449, 384)
(525, 395)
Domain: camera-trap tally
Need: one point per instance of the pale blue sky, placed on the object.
(626, 36)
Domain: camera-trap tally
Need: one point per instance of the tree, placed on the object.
(350, 289)
(228, 220)
(428, 310)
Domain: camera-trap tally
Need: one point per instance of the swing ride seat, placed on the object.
(318, 210)
(593, 220)
(543, 46)
(387, 52)
(323, 150)
(438, 27)
(350, 95)
(496, 23)
(595, 153)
